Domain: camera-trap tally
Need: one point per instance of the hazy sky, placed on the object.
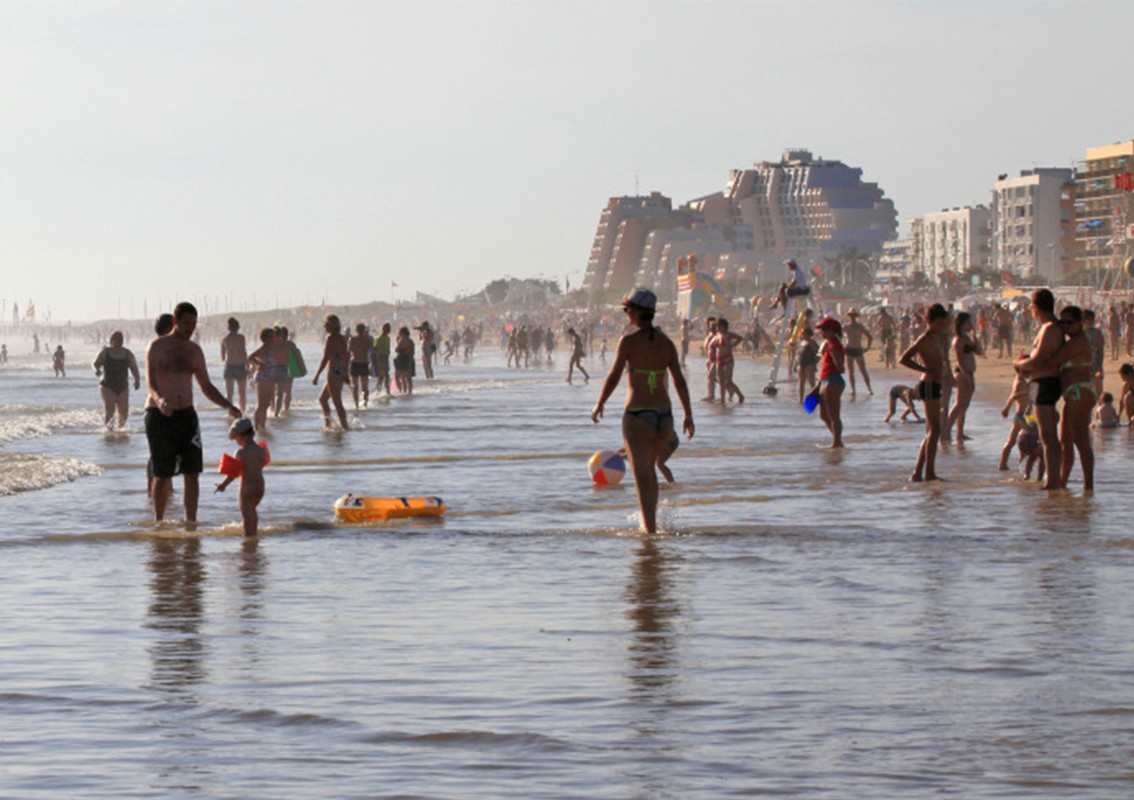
(294, 152)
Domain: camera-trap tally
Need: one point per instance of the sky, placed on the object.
(249, 155)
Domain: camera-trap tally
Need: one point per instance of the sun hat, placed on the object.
(642, 298)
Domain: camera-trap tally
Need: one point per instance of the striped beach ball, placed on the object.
(607, 468)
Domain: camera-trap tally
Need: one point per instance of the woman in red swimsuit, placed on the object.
(832, 363)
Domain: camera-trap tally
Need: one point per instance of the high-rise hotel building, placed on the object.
(1032, 227)
(1104, 207)
(798, 207)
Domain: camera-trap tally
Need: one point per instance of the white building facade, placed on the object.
(1032, 227)
(946, 244)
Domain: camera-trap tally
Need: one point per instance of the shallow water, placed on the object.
(809, 624)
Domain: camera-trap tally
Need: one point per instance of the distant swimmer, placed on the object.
(115, 364)
(405, 363)
(336, 360)
(859, 342)
(647, 355)
(251, 457)
(927, 356)
(234, 354)
(577, 353)
(269, 361)
(58, 362)
(296, 368)
(382, 360)
(360, 347)
(173, 362)
(723, 345)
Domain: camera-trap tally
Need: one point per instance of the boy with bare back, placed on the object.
(927, 356)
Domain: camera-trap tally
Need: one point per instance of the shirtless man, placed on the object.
(360, 346)
(1039, 369)
(1004, 323)
(172, 428)
(927, 356)
(856, 332)
(234, 354)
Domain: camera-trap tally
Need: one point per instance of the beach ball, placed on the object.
(1129, 266)
(607, 468)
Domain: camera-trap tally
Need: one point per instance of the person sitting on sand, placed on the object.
(1106, 415)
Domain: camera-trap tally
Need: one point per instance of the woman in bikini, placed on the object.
(336, 359)
(832, 364)
(966, 347)
(115, 364)
(724, 342)
(647, 424)
(265, 359)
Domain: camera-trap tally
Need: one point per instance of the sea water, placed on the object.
(809, 624)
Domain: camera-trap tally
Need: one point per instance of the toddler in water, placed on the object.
(252, 458)
(1106, 415)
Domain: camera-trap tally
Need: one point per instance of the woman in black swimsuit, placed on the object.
(115, 364)
(966, 347)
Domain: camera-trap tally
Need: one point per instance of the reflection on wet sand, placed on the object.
(653, 612)
(176, 612)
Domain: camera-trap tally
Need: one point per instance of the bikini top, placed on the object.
(651, 377)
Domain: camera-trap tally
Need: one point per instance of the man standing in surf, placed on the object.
(927, 356)
(647, 422)
(1043, 374)
(172, 428)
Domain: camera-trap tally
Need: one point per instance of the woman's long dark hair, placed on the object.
(645, 319)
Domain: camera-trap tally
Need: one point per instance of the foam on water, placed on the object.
(26, 473)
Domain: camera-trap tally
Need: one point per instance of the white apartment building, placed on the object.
(950, 242)
(1032, 227)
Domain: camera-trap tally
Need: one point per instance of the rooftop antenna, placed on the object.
(636, 192)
